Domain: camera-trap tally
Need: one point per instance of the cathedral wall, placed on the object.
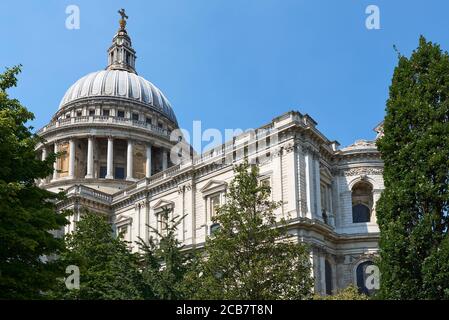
(300, 176)
(345, 219)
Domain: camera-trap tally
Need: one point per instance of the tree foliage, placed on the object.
(165, 264)
(251, 255)
(27, 213)
(108, 269)
(349, 293)
(413, 209)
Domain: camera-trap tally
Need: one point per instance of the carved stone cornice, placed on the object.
(182, 188)
(277, 151)
(362, 171)
(288, 147)
(141, 204)
(308, 148)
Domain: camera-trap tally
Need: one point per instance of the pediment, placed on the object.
(122, 219)
(163, 203)
(214, 186)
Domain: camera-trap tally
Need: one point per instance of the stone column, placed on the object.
(317, 175)
(110, 159)
(147, 221)
(44, 153)
(309, 184)
(291, 166)
(322, 274)
(129, 161)
(71, 158)
(148, 162)
(376, 196)
(43, 157)
(55, 164)
(164, 159)
(90, 158)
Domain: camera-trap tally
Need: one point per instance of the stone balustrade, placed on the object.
(86, 191)
(96, 119)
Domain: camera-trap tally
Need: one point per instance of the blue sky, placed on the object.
(228, 63)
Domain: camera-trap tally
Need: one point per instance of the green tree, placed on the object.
(108, 269)
(413, 209)
(164, 262)
(27, 213)
(349, 293)
(251, 255)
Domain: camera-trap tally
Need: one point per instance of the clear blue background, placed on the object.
(228, 63)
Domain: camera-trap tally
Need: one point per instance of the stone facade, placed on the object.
(116, 161)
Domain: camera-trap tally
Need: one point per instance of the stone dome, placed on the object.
(120, 84)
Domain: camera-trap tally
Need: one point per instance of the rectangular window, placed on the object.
(266, 182)
(119, 173)
(214, 204)
(163, 222)
(106, 112)
(79, 113)
(123, 232)
(148, 120)
(91, 112)
(135, 117)
(120, 113)
(103, 171)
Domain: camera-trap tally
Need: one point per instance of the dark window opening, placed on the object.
(328, 276)
(103, 171)
(135, 117)
(214, 228)
(120, 113)
(106, 113)
(360, 213)
(119, 173)
(362, 202)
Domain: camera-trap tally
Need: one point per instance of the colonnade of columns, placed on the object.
(109, 159)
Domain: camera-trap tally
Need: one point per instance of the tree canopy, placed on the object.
(164, 262)
(251, 255)
(413, 209)
(108, 269)
(27, 213)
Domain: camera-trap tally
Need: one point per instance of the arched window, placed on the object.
(328, 277)
(362, 202)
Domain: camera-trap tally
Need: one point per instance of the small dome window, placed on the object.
(362, 202)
